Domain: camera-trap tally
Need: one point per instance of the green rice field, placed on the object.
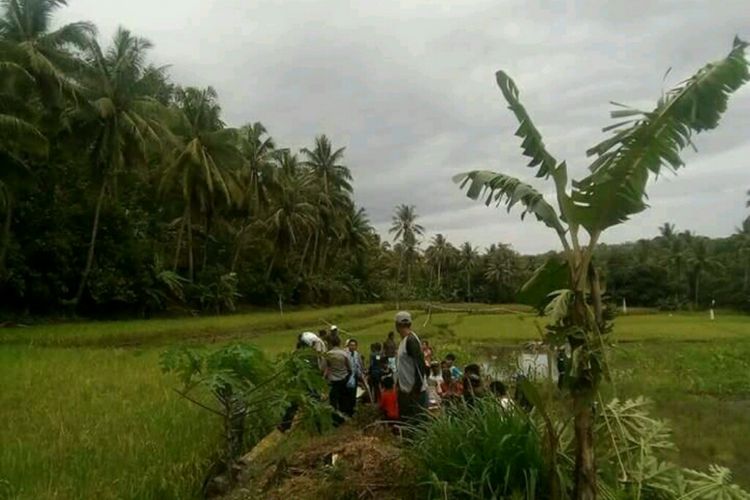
(87, 413)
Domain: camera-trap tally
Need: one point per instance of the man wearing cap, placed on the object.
(410, 369)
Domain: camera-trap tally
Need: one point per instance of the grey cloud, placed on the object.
(408, 88)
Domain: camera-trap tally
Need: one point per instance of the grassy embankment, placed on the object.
(87, 414)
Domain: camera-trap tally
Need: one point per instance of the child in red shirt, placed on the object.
(389, 399)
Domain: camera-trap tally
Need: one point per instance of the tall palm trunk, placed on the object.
(92, 243)
(314, 257)
(179, 245)
(191, 263)
(323, 255)
(236, 256)
(400, 265)
(238, 247)
(5, 243)
(438, 274)
(304, 255)
(408, 272)
(273, 258)
(697, 287)
(207, 229)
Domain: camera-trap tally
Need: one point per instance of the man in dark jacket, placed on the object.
(410, 370)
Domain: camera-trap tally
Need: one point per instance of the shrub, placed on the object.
(480, 451)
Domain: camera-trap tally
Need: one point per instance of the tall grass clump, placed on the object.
(480, 451)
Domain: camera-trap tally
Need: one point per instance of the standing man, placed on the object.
(357, 375)
(337, 372)
(410, 370)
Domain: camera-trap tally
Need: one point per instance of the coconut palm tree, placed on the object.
(677, 259)
(119, 123)
(404, 228)
(437, 254)
(290, 216)
(325, 165)
(499, 267)
(667, 231)
(701, 260)
(20, 139)
(289, 164)
(257, 173)
(49, 56)
(643, 143)
(333, 180)
(204, 162)
(467, 259)
(356, 236)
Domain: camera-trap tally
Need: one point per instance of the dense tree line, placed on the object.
(124, 192)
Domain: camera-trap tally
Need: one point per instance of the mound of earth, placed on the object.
(347, 463)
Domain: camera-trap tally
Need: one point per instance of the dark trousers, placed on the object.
(375, 388)
(411, 405)
(350, 400)
(337, 395)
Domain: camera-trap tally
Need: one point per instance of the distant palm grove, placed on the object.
(122, 192)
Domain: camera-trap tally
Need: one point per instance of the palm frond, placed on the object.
(504, 189)
(76, 34)
(9, 69)
(17, 133)
(616, 187)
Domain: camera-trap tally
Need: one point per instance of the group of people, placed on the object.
(402, 378)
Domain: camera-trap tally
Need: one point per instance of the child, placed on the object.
(498, 390)
(434, 386)
(388, 399)
(455, 371)
(473, 388)
(374, 370)
(427, 353)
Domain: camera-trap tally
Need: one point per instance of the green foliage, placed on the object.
(247, 388)
(641, 146)
(552, 275)
(503, 189)
(613, 191)
(480, 451)
(68, 441)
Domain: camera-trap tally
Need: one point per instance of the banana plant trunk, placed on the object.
(585, 467)
(585, 386)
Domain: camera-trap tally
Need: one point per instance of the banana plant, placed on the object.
(641, 146)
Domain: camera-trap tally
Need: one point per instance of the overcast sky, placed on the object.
(409, 89)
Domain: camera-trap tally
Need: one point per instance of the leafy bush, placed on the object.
(214, 291)
(480, 451)
(239, 384)
(631, 450)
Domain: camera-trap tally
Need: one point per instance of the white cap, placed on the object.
(403, 318)
(334, 327)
